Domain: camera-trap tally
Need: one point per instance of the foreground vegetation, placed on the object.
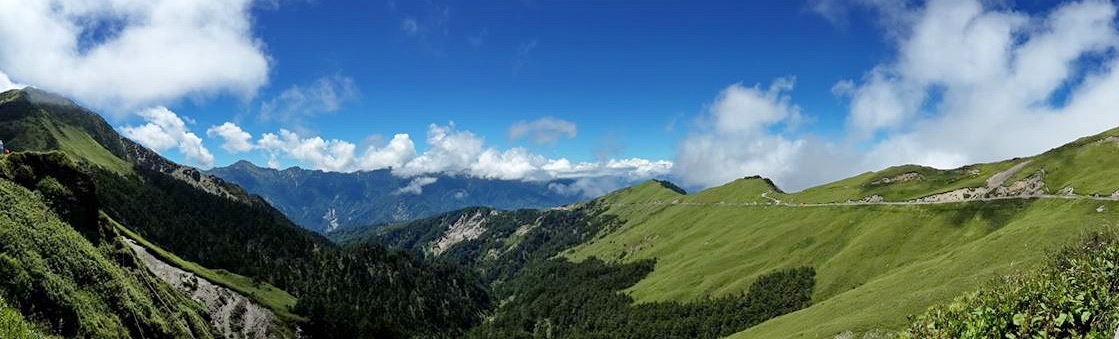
(77, 284)
(917, 255)
(1075, 295)
(14, 326)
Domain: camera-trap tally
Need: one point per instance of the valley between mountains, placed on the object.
(103, 238)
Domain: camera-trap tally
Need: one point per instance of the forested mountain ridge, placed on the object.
(324, 201)
(213, 223)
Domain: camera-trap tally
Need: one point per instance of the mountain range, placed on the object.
(102, 238)
(324, 201)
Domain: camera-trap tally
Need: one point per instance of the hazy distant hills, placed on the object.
(323, 201)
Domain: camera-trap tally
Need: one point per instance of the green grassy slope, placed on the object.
(77, 288)
(741, 191)
(652, 190)
(1087, 165)
(80, 134)
(875, 264)
(916, 255)
(930, 181)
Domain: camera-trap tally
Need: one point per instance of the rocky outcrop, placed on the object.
(231, 313)
(146, 158)
(904, 177)
(1032, 185)
(467, 227)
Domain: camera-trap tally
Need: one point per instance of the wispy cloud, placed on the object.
(546, 130)
(476, 40)
(298, 103)
(524, 51)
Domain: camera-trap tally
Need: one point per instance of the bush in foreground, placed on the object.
(1075, 295)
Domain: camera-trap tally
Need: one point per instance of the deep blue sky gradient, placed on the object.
(623, 71)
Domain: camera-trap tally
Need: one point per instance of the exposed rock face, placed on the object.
(231, 313)
(904, 177)
(465, 228)
(331, 218)
(1030, 186)
(146, 158)
(873, 199)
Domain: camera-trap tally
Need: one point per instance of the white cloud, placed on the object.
(995, 72)
(324, 95)
(164, 130)
(7, 84)
(396, 153)
(235, 139)
(971, 82)
(119, 55)
(740, 109)
(416, 186)
(546, 130)
(449, 152)
(328, 155)
(734, 138)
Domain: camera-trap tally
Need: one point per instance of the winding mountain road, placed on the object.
(776, 202)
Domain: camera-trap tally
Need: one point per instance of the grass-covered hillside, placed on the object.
(55, 279)
(875, 263)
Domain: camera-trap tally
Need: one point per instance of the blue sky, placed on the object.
(624, 70)
(700, 91)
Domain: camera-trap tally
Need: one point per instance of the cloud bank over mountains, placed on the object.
(450, 151)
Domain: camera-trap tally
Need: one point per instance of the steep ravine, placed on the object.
(231, 313)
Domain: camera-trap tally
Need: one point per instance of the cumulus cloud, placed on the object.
(735, 139)
(164, 130)
(995, 75)
(416, 186)
(235, 139)
(124, 54)
(297, 103)
(970, 82)
(546, 130)
(449, 152)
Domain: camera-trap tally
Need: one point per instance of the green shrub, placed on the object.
(1073, 296)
